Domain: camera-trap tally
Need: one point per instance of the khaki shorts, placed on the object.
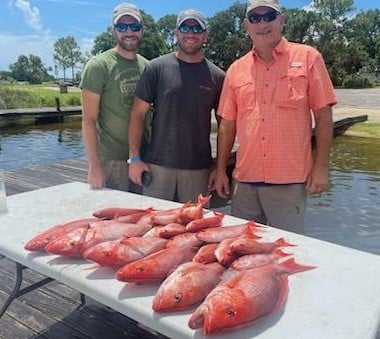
(177, 184)
(281, 206)
(116, 175)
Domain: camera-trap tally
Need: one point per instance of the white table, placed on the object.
(339, 299)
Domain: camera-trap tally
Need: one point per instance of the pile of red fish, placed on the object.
(229, 272)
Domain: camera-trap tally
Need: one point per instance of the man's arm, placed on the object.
(225, 142)
(135, 135)
(90, 103)
(319, 177)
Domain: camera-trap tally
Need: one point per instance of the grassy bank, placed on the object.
(32, 96)
(365, 130)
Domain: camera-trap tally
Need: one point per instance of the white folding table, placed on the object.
(338, 300)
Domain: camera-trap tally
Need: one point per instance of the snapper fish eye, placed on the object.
(178, 297)
(231, 312)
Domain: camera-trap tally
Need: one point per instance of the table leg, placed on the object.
(17, 292)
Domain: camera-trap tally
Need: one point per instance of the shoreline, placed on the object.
(348, 111)
(357, 130)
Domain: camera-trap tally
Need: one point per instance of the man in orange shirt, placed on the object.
(269, 100)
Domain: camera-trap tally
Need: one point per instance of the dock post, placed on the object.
(58, 106)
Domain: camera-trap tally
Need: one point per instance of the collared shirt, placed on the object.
(272, 104)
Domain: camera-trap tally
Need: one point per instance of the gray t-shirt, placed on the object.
(183, 96)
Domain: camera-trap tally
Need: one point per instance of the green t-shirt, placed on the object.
(114, 78)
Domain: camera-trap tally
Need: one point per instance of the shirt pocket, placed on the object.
(245, 94)
(291, 89)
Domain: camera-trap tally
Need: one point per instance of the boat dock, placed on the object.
(43, 114)
(55, 310)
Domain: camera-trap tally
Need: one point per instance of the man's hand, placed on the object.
(318, 181)
(222, 185)
(135, 171)
(95, 176)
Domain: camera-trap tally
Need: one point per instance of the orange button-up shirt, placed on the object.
(272, 104)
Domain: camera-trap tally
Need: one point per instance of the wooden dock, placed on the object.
(43, 114)
(55, 310)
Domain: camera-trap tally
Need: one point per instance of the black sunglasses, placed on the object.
(196, 29)
(255, 18)
(122, 27)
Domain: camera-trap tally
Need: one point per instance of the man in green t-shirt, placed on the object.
(108, 85)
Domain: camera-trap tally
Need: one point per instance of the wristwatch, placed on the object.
(133, 159)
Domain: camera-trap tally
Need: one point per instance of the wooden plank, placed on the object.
(36, 177)
(54, 311)
(11, 328)
(342, 125)
(44, 112)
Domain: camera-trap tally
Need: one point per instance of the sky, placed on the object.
(32, 26)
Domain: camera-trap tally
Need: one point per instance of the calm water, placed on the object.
(348, 214)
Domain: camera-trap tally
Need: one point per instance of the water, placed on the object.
(348, 214)
(23, 146)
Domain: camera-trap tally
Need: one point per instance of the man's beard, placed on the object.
(129, 45)
(190, 49)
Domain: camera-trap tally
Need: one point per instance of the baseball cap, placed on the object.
(126, 8)
(252, 4)
(191, 14)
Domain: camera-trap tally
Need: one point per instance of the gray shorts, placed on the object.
(177, 184)
(116, 176)
(281, 206)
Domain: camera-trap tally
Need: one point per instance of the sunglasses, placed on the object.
(122, 27)
(255, 18)
(196, 29)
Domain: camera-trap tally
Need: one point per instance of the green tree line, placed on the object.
(349, 43)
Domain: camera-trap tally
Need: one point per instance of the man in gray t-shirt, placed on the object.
(183, 88)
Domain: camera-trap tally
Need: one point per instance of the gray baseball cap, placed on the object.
(126, 8)
(252, 4)
(192, 14)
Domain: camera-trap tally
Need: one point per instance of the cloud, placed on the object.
(39, 41)
(31, 14)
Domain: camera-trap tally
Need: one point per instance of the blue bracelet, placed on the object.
(133, 159)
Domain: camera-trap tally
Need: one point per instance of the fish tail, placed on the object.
(220, 215)
(203, 200)
(283, 242)
(290, 266)
(254, 224)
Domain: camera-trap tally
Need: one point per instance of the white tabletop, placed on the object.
(339, 299)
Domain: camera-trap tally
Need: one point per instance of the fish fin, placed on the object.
(197, 319)
(281, 253)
